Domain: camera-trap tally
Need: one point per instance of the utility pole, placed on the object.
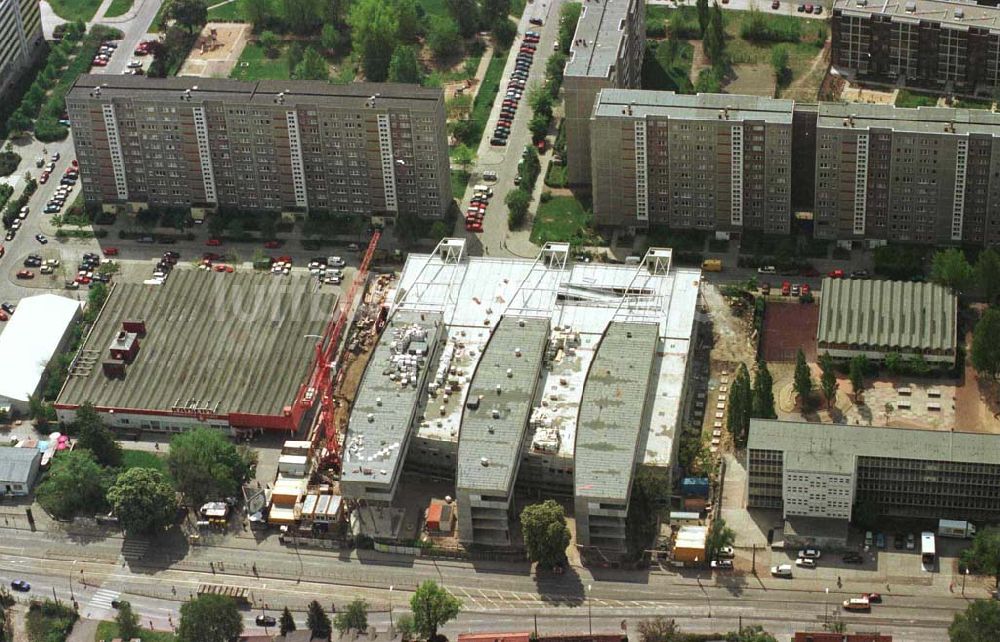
(590, 613)
(391, 626)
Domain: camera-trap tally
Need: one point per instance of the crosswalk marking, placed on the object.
(134, 549)
(103, 598)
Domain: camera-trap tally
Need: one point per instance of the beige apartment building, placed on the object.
(710, 161)
(365, 149)
(606, 52)
(20, 38)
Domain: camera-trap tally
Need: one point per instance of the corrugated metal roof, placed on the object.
(15, 464)
(894, 315)
(612, 410)
(495, 430)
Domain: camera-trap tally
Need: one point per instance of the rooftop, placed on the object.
(632, 103)
(15, 463)
(30, 340)
(498, 404)
(941, 120)
(837, 440)
(217, 343)
(387, 397)
(893, 314)
(951, 13)
(612, 412)
(598, 38)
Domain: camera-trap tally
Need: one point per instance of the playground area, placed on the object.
(217, 49)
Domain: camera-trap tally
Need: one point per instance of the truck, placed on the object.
(956, 528)
(711, 265)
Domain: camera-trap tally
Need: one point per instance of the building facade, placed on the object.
(20, 38)
(376, 150)
(948, 46)
(606, 52)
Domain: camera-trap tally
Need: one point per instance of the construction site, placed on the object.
(468, 386)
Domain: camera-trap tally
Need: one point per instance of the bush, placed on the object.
(758, 27)
(684, 24)
(48, 130)
(8, 163)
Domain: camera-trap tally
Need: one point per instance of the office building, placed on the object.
(814, 470)
(606, 52)
(365, 149)
(940, 44)
(20, 39)
(710, 161)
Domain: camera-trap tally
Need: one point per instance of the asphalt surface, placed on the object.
(785, 7)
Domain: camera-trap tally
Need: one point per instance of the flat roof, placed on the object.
(30, 339)
(887, 314)
(838, 440)
(16, 463)
(950, 13)
(598, 38)
(641, 103)
(382, 414)
(489, 447)
(227, 343)
(935, 120)
(612, 411)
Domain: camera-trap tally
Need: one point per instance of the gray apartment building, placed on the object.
(365, 149)
(709, 162)
(815, 470)
(940, 44)
(606, 51)
(20, 38)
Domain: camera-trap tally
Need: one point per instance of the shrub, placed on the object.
(758, 27)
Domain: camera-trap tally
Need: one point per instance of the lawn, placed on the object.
(118, 8)
(74, 10)
(564, 218)
(164, 8)
(49, 621)
(907, 98)
(487, 93)
(459, 181)
(556, 175)
(234, 11)
(142, 459)
(109, 631)
(973, 103)
(254, 65)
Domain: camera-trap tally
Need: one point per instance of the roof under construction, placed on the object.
(887, 316)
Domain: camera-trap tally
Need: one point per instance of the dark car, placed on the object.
(7, 307)
(536, 21)
(499, 142)
(898, 541)
(265, 620)
(859, 274)
(853, 558)
(20, 585)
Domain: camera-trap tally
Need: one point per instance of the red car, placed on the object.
(272, 244)
(213, 242)
(786, 288)
(75, 163)
(111, 251)
(805, 289)
(474, 228)
(836, 274)
(44, 178)
(211, 256)
(25, 274)
(4, 316)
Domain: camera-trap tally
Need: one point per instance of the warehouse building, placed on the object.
(875, 318)
(819, 471)
(607, 51)
(518, 395)
(364, 149)
(37, 332)
(228, 351)
(18, 470)
(21, 39)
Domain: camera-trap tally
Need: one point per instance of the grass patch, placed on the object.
(154, 27)
(667, 66)
(907, 98)
(232, 12)
(459, 181)
(255, 65)
(487, 93)
(142, 459)
(118, 8)
(556, 175)
(49, 621)
(564, 218)
(973, 103)
(74, 10)
(109, 631)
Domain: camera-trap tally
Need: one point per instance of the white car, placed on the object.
(726, 552)
(806, 562)
(782, 570)
(810, 553)
(722, 564)
(335, 261)
(134, 64)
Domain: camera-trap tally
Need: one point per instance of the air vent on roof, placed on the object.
(959, 14)
(911, 7)
(485, 461)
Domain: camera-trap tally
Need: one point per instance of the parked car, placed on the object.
(722, 564)
(767, 269)
(782, 570)
(836, 274)
(805, 562)
(853, 558)
(726, 552)
(213, 242)
(911, 541)
(786, 288)
(265, 620)
(25, 274)
(536, 21)
(41, 239)
(20, 585)
(811, 553)
(898, 541)
(806, 290)
(111, 251)
(7, 307)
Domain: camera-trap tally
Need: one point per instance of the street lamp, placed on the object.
(590, 613)
(390, 610)
(964, 575)
(826, 606)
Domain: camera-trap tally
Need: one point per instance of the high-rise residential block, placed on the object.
(366, 149)
(20, 38)
(606, 51)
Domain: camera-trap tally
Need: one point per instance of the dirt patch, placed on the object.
(862, 94)
(217, 50)
(699, 61)
(730, 332)
(753, 80)
(787, 328)
(806, 84)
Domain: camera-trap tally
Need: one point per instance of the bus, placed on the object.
(927, 550)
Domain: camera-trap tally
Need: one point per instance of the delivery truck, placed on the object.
(956, 528)
(711, 265)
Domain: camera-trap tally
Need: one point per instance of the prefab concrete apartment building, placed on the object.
(364, 149)
(945, 45)
(20, 38)
(606, 51)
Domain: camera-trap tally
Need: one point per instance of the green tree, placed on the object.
(373, 33)
(407, 21)
(463, 156)
(93, 435)
(740, 406)
(951, 269)
(404, 66)
(439, 230)
(204, 464)
(303, 16)
(294, 56)
(719, 536)
(18, 123)
(258, 12)
(143, 500)
(191, 14)
(986, 343)
(704, 13)
(318, 621)
(538, 126)
(978, 623)
(517, 202)
(893, 362)
(443, 38)
(803, 383)
(353, 618)
(856, 373)
(755, 633)
(333, 37)
(984, 554)
(763, 393)
(406, 628)
(715, 37)
(432, 607)
(268, 41)
(76, 485)
(828, 378)
(312, 67)
(504, 32)
(546, 535)
(210, 618)
(555, 66)
(465, 14)
(496, 11)
(987, 273)
(779, 63)
(658, 629)
(127, 621)
(287, 623)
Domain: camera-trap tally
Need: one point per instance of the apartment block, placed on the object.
(20, 38)
(709, 162)
(606, 52)
(924, 175)
(364, 149)
(944, 45)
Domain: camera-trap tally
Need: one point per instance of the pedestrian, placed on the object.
(156, 445)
